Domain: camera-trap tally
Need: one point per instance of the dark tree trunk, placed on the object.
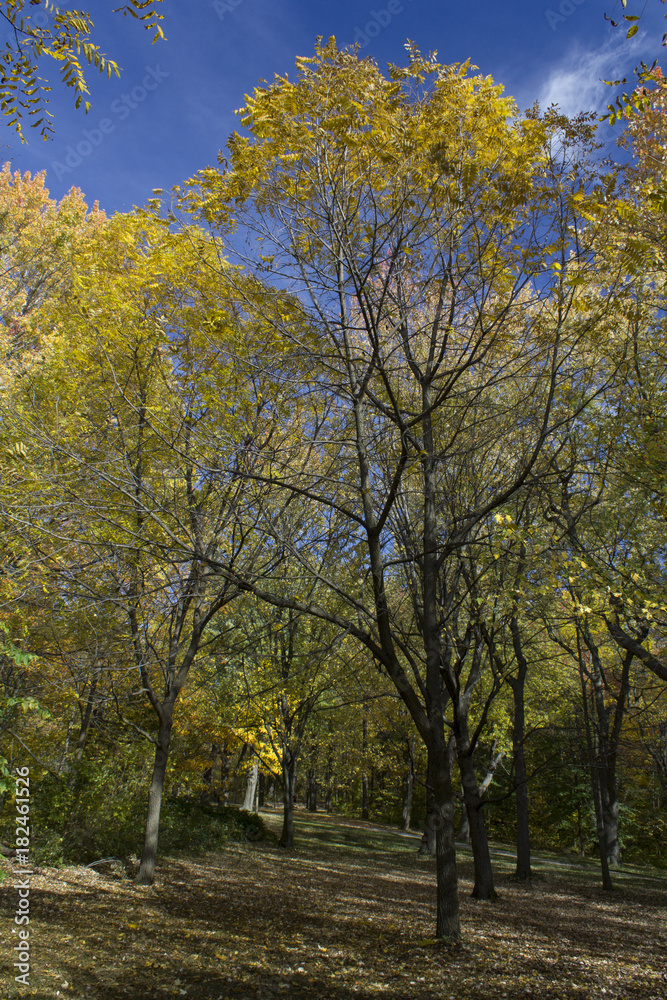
(602, 840)
(610, 809)
(207, 780)
(225, 768)
(261, 791)
(311, 789)
(447, 922)
(428, 841)
(518, 684)
(595, 769)
(483, 887)
(328, 795)
(87, 715)
(364, 774)
(146, 874)
(463, 835)
(408, 783)
(289, 784)
(607, 738)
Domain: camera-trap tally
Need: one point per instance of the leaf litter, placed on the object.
(334, 920)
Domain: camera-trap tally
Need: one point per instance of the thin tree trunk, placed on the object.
(364, 773)
(146, 873)
(328, 795)
(463, 835)
(518, 684)
(289, 781)
(251, 787)
(86, 717)
(428, 841)
(311, 789)
(594, 772)
(606, 795)
(408, 783)
(610, 810)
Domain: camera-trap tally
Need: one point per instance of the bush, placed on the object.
(187, 825)
(98, 810)
(95, 810)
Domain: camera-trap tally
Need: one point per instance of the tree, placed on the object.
(136, 417)
(38, 241)
(412, 216)
(63, 35)
(287, 668)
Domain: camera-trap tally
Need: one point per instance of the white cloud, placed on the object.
(576, 83)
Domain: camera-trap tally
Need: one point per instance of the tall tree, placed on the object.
(413, 215)
(138, 417)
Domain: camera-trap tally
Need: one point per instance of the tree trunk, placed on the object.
(311, 789)
(87, 716)
(483, 887)
(328, 795)
(518, 684)
(289, 782)
(364, 775)
(523, 870)
(251, 787)
(207, 782)
(610, 808)
(463, 836)
(408, 783)
(447, 923)
(602, 841)
(595, 769)
(146, 873)
(428, 841)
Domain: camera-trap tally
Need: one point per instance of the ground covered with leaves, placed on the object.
(350, 913)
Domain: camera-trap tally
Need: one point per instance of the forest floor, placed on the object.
(350, 913)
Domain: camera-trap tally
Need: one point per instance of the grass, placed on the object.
(349, 914)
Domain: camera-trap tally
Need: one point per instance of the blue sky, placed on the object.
(173, 108)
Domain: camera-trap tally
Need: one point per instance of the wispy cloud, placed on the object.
(576, 83)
